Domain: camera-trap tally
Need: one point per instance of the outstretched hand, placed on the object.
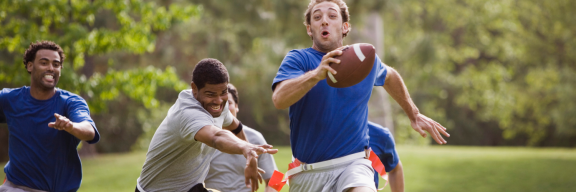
(252, 172)
(62, 123)
(423, 123)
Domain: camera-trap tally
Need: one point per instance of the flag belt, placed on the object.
(278, 179)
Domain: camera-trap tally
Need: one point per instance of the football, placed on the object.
(356, 62)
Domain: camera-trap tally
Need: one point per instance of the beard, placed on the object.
(45, 86)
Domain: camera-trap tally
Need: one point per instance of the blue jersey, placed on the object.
(382, 143)
(41, 157)
(327, 122)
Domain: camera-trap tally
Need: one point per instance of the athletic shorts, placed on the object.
(11, 187)
(337, 178)
(197, 188)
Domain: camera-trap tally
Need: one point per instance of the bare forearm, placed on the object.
(396, 177)
(290, 91)
(395, 86)
(83, 131)
(227, 142)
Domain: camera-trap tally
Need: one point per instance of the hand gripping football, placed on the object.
(356, 62)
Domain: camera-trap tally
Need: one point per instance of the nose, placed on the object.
(325, 20)
(218, 100)
(51, 68)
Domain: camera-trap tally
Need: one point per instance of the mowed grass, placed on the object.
(426, 169)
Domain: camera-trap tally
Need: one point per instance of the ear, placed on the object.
(29, 66)
(308, 30)
(194, 89)
(237, 108)
(345, 28)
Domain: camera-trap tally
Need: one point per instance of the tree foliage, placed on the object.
(492, 72)
(87, 29)
(485, 64)
(94, 35)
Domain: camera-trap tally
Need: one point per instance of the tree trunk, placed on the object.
(88, 150)
(3, 142)
(371, 30)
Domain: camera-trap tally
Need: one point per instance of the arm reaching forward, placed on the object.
(225, 141)
(82, 130)
(394, 85)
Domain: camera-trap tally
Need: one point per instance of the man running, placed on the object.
(382, 143)
(182, 147)
(327, 125)
(46, 124)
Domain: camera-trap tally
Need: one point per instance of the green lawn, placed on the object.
(427, 169)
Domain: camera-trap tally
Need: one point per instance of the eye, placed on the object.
(316, 17)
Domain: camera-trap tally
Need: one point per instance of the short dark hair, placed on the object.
(209, 71)
(30, 53)
(232, 90)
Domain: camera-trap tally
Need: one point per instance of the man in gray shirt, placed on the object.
(227, 170)
(183, 145)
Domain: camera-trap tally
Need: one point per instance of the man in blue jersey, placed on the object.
(382, 143)
(46, 125)
(328, 126)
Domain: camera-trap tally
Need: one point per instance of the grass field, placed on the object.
(427, 169)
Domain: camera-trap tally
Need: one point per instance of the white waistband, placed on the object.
(323, 164)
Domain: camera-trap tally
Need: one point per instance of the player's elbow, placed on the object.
(278, 101)
(216, 140)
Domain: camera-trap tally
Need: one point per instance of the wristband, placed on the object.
(238, 129)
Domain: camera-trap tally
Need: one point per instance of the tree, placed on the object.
(86, 30)
(490, 69)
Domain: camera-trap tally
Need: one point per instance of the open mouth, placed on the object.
(325, 34)
(215, 108)
(49, 77)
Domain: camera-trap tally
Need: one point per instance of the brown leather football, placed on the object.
(356, 62)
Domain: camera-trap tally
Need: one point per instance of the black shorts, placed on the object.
(197, 188)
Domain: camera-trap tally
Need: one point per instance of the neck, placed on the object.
(324, 49)
(41, 94)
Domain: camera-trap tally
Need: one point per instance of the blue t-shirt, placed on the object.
(382, 143)
(41, 157)
(327, 122)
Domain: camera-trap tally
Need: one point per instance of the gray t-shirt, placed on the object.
(227, 170)
(175, 160)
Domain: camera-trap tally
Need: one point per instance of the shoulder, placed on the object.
(12, 91)
(9, 93)
(302, 55)
(69, 97)
(187, 101)
(187, 107)
(254, 136)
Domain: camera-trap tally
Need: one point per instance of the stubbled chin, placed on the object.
(216, 114)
